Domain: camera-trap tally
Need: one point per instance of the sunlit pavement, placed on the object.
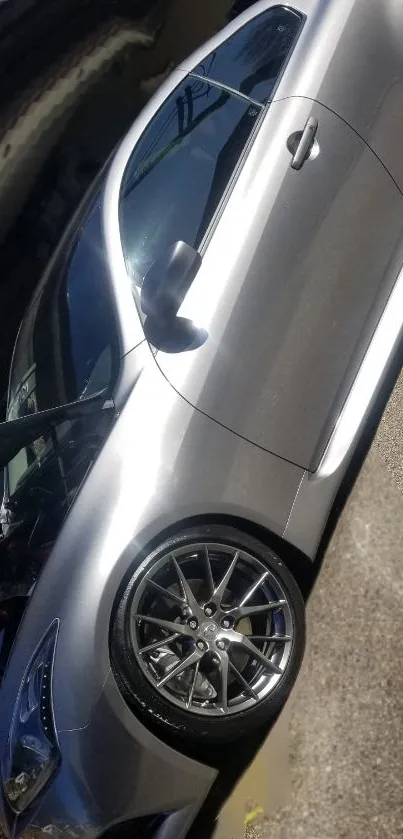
(346, 720)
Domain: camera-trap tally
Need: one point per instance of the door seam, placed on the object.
(230, 430)
(293, 503)
(357, 133)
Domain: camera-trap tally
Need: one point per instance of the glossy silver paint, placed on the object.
(316, 492)
(281, 290)
(351, 60)
(318, 234)
(298, 289)
(142, 483)
(115, 770)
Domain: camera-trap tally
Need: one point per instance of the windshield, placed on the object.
(67, 347)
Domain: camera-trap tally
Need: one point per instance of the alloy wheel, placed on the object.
(211, 628)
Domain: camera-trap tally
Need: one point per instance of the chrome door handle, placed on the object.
(300, 143)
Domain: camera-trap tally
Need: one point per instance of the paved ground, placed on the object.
(346, 755)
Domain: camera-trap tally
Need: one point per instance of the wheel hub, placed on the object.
(209, 631)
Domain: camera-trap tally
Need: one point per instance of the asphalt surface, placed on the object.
(346, 716)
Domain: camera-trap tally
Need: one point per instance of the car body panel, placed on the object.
(142, 483)
(316, 493)
(88, 796)
(347, 320)
(315, 59)
(350, 58)
(291, 287)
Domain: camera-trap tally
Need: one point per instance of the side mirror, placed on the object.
(162, 294)
(168, 280)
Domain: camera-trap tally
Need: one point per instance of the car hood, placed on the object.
(32, 520)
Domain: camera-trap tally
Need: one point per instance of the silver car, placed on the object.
(187, 390)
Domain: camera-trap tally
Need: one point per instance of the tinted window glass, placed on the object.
(67, 345)
(68, 339)
(252, 59)
(180, 170)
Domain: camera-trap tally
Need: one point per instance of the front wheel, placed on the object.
(209, 635)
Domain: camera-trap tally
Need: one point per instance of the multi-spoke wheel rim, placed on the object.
(211, 628)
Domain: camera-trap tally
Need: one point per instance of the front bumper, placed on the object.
(115, 772)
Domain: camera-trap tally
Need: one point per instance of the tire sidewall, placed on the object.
(142, 696)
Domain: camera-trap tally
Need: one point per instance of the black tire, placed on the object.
(143, 697)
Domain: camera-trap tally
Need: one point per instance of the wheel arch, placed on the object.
(298, 563)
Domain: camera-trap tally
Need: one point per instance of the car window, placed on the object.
(68, 338)
(67, 347)
(252, 59)
(180, 169)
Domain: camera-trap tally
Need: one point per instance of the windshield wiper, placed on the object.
(15, 434)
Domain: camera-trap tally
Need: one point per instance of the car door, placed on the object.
(296, 272)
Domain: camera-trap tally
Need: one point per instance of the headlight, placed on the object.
(32, 752)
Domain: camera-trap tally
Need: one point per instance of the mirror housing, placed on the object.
(175, 335)
(168, 280)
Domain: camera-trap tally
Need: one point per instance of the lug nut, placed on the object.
(209, 609)
(221, 645)
(193, 623)
(226, 623)
(201, 645)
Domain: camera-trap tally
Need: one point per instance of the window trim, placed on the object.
(220, 209)
(231, 90)
(232, 180)
(129, 317)
(303, 19)
(285, 6)
(262, 106)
